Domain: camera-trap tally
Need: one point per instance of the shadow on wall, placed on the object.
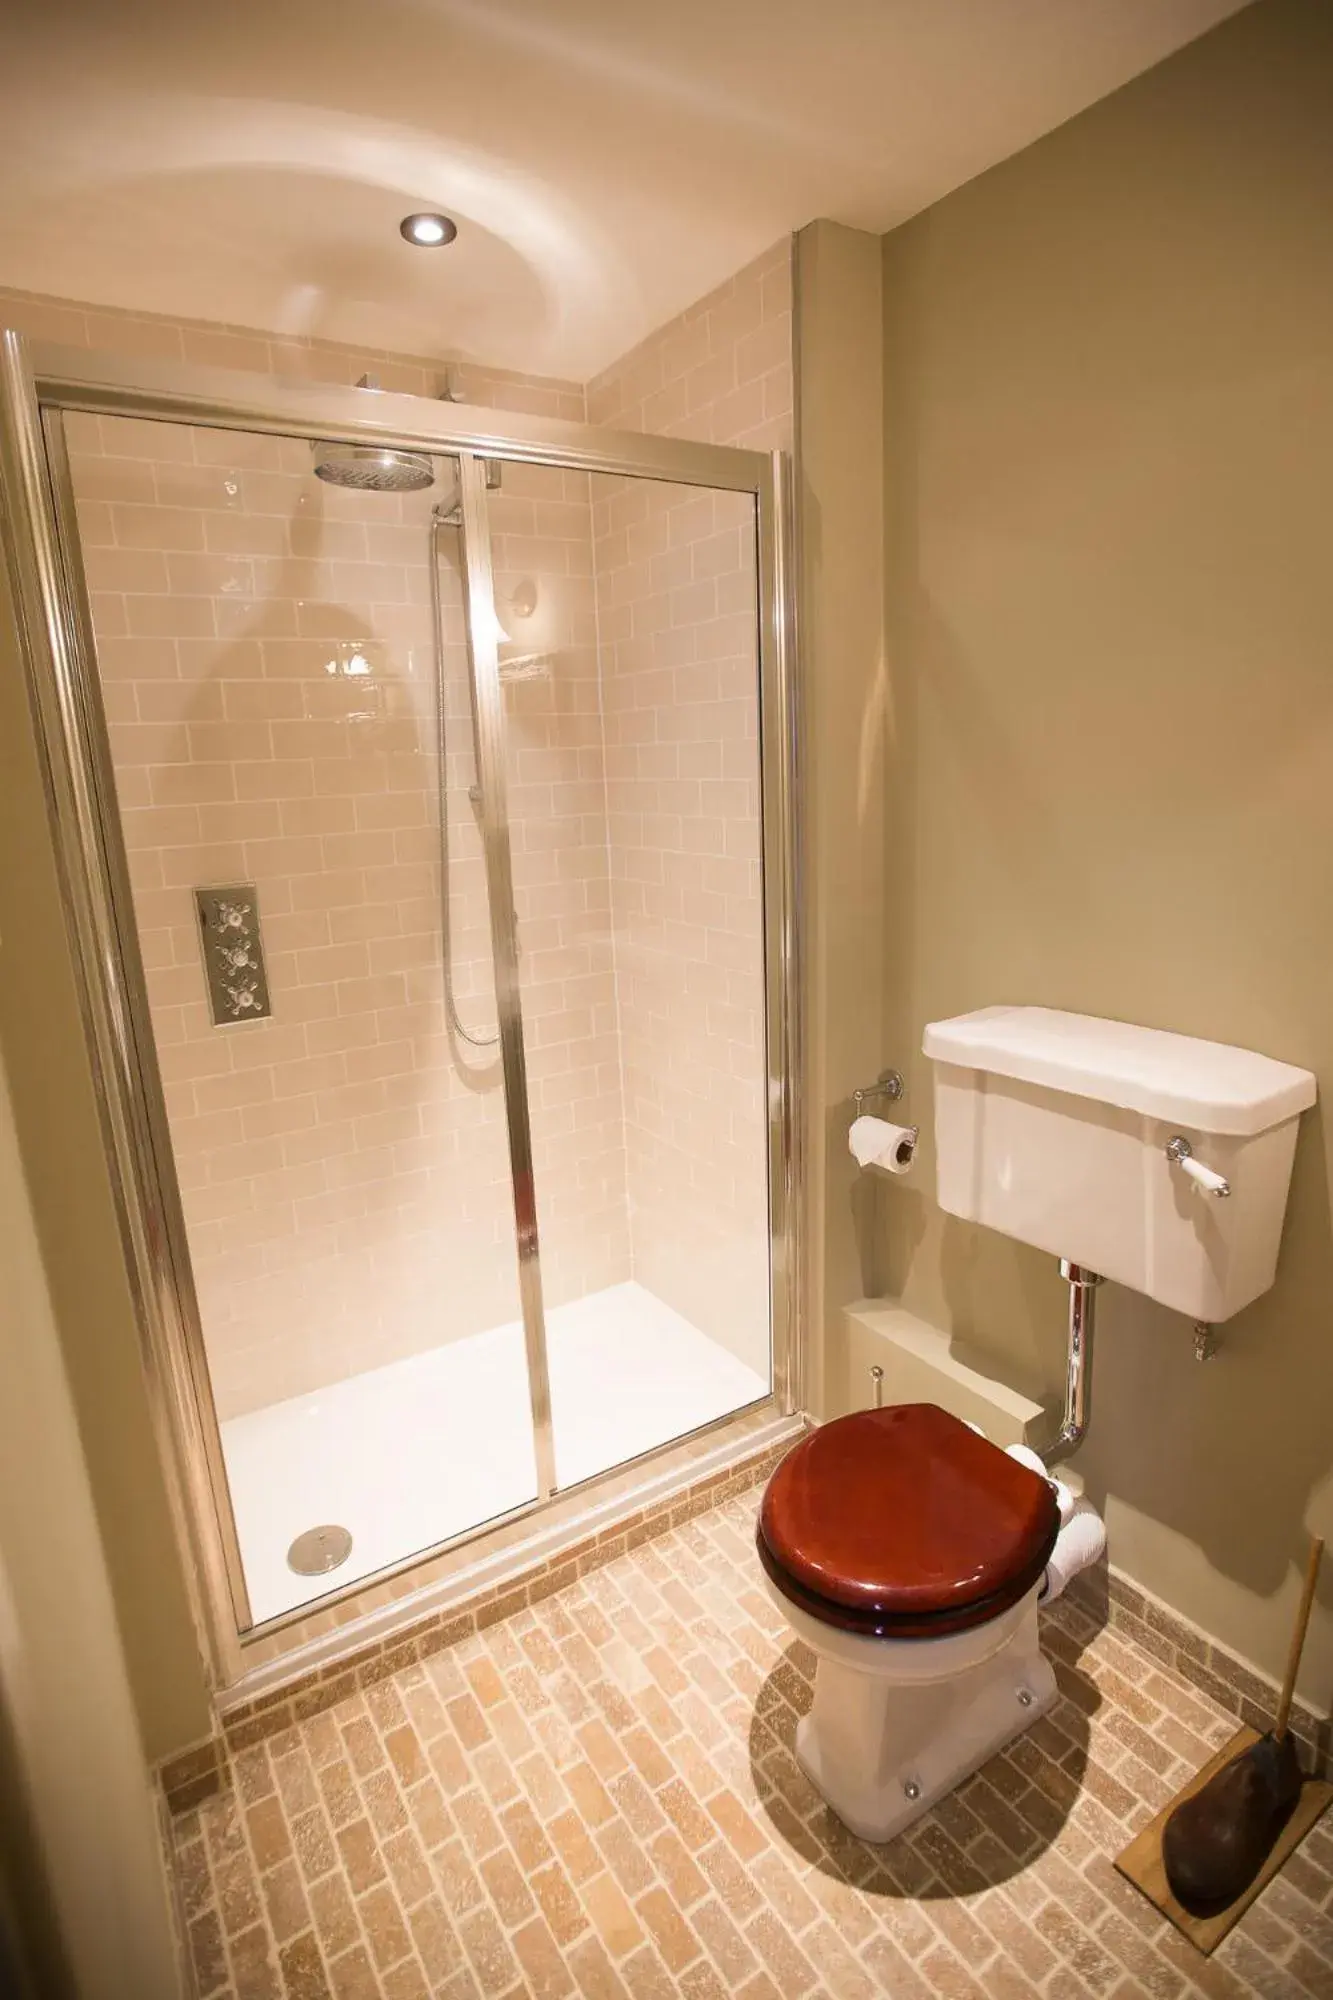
(1232, 1453)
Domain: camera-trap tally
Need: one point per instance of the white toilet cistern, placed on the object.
(1156, 1159)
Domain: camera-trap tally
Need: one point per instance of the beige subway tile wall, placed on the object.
(676, 591)
(676, 582)
(720, 372)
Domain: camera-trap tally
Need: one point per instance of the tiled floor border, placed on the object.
(198, 1772)
(1235, 1686)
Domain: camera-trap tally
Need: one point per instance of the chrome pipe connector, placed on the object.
(1078, 1372)
(1205, 1340)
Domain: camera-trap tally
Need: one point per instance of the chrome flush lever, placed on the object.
(1181, 1154)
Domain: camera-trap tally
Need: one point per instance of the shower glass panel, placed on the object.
(337, 1133)
(627, 625)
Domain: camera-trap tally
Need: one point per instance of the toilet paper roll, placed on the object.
(875, 1143)
(1078, 1545)
(1064, 1495)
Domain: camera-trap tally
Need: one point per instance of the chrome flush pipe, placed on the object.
(1078, 1375)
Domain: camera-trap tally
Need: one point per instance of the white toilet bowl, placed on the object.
(897, 1723)
(908, 1553)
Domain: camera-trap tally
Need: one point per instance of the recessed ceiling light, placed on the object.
(427, 231)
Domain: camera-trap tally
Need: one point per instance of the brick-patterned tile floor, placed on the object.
(598, 1797)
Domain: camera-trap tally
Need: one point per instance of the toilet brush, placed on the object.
(1217, 1840)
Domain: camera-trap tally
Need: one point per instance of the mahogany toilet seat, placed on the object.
(904, 1523)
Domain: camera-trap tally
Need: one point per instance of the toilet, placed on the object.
(906, 1550)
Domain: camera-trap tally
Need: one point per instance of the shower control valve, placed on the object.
(233, 953)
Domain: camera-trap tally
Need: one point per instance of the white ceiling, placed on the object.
(607, 161)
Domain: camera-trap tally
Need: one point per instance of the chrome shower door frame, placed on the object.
(492, 782)
(38, 384)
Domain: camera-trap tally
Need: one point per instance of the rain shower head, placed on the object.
(373, 468)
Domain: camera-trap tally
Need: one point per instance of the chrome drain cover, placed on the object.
(319, 1550)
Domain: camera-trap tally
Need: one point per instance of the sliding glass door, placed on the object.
(626, 630)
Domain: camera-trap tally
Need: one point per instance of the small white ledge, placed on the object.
(919, 1368)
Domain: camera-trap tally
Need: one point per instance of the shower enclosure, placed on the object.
(422, 783)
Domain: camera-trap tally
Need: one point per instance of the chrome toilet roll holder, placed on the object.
(889, 1083)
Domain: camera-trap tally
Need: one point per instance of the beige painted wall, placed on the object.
(82, 1870)
(1109, 444)
(60, 1137)
(844, 734)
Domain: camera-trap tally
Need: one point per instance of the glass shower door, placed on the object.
(625, 637)
(283, 722)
